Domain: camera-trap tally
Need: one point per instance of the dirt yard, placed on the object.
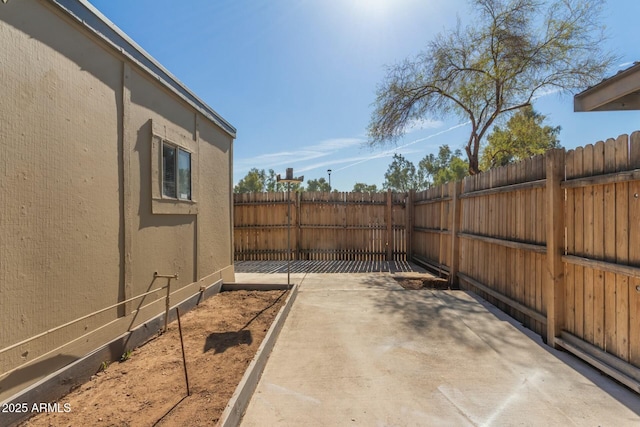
(221, 336)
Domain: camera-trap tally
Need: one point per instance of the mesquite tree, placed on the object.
(513, 52)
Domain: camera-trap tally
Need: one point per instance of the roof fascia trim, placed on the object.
(608, 91)
(92, 19)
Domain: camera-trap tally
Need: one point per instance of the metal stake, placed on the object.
(168, 298)
(184, 359)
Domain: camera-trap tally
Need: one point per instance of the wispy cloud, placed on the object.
(546, 92)
(336, 144)
(419, 124)
(395, 149)
(301, 154)
(356, 159)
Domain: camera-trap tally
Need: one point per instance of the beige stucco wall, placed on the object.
(78, 232)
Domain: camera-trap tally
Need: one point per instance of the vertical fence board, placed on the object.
(622, 249)
(519, 291)
(587, 168)
(578, 276)
(570, 246)
(610, 250)
(541, 239)
(634, 252)
(554, 291)
(598, 248)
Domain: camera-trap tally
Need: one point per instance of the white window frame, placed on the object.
(178, 149)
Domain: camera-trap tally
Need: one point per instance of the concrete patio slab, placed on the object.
(357, 349)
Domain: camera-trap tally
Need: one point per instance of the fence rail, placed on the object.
(554, 241)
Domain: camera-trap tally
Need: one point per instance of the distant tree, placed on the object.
(525, 135)
(446, 166)
(257, 180)
(318, 185)
(455, 171)
(298, 188)
(253, 182)
(271, 183)
(401, 175)
(514, 51)
(360, 187)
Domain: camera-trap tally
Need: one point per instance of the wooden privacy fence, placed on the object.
(554, 241)
(324, 226)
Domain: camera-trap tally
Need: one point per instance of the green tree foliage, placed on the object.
(271, 183)
(525, 135)
(401, 175)
(318, 185)
(360, 187)
(253, 182)
(446, 166)
(257, 181)
(513, 51)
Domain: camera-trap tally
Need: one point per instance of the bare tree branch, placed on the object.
(495, 67)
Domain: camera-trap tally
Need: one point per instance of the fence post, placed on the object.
(389, 218)
(441, 237)
(408, 225)
(554, 289)
(298, 221)
(455, 226)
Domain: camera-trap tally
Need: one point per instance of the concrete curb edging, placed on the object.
(244, 391)
(233, 286)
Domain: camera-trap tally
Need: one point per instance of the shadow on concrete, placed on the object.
(609, 385)
(434, 314)
(471, 322)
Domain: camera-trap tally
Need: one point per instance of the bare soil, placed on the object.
(221, 337)
(412, 283)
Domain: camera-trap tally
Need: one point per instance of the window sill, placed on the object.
(174, 206)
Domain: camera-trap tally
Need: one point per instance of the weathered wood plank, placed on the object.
(504, 299)
(506, 243)
(554, 292)
(622, 249)
(634, 253)
(598, 248)
(578, 276)
(610, 178)
(456, 209)
(611, 343)
(388, 219)
(569, 314)
(587, 168)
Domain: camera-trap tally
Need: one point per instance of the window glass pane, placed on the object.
(168, 170)
(184, 173)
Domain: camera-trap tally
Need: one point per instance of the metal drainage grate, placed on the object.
(272, 267)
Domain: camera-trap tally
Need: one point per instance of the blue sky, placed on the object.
(297, 78)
